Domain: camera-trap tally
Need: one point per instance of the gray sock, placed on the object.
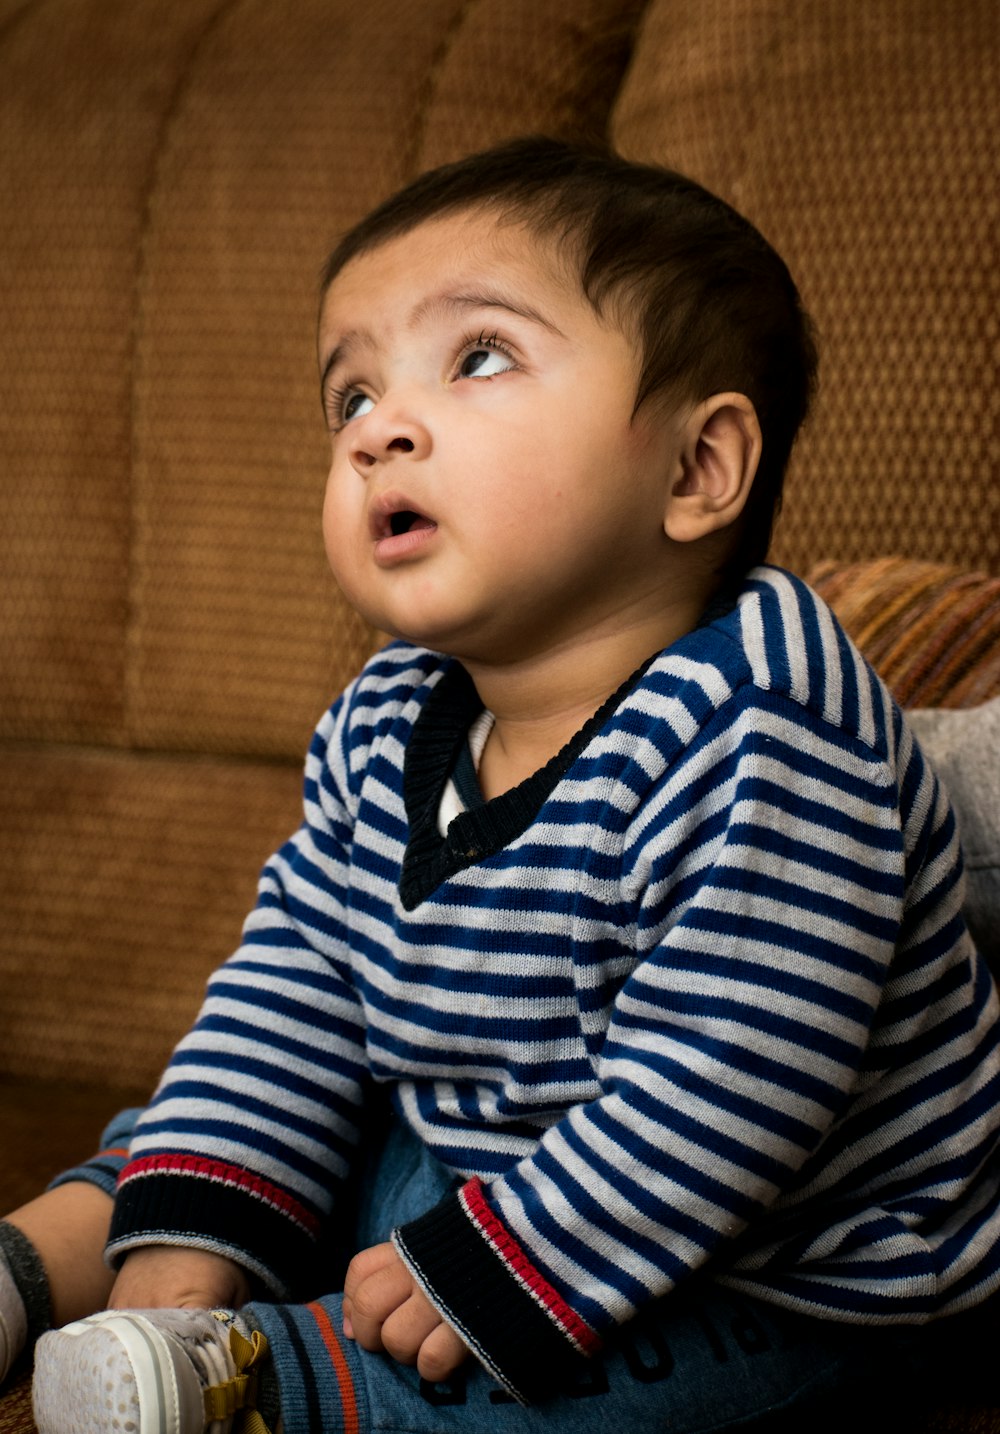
(28, 1273)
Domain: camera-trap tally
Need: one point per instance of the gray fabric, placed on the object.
(25, 1265)
(963, 747)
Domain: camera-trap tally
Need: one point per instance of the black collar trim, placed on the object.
(433, 749)
(431, 754)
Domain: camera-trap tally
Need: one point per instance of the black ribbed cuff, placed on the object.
(216, 1207)
(478, 1277)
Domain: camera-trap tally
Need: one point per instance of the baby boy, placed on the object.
(621, 884)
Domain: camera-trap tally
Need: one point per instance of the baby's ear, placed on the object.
(720, 451)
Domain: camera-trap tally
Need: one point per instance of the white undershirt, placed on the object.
(451, 803)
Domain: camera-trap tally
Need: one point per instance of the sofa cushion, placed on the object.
(931, 631)
(53, 1126)
(123, 883)
(964, 749)
(861, 139)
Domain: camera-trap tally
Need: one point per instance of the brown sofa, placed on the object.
(171, 176)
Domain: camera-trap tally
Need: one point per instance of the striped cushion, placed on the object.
(932, 632)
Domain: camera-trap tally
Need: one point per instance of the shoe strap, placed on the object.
(238, 1395)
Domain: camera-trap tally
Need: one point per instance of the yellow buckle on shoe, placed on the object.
(239, 1394)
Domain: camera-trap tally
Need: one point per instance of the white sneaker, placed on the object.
(147, 1372)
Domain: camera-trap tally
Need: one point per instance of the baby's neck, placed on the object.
(515, 751)
(541, 702)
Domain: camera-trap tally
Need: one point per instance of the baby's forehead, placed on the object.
(473, 241)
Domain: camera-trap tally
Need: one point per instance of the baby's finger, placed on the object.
(366, 1263)
(373, 1301)
(406, 1330)
(440, 1354)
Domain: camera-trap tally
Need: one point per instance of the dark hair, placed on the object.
(713, 305)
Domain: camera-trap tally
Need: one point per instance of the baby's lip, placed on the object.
(392, 515)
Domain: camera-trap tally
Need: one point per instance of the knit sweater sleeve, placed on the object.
(252, 1131)
(772, 879)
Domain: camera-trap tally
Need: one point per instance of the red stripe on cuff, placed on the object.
(218, 1173)
(474, 1201)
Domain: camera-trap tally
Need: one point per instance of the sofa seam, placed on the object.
(428, 89)
(147, 202)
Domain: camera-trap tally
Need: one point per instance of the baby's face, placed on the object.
(489, 492)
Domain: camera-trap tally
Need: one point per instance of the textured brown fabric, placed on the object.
(73, 175)
(535, 65)
(933, 632)
(72, 1117)
(123, 882)
(15, 1408)
(865, 141)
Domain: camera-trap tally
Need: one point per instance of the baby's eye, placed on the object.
(484, 359)
(354, 405)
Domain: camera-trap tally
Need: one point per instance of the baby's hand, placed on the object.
(385, 1309)
(169, 1277)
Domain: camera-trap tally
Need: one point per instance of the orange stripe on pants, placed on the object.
(349, 1403)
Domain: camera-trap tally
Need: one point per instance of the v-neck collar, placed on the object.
(476, 834)
(479, 833)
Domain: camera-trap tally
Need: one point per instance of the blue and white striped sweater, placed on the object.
(699, 991)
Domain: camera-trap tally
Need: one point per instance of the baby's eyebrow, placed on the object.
(353, 339)
(482, 299)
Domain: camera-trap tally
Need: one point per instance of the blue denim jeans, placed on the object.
(705, 1360)
(702, 1360)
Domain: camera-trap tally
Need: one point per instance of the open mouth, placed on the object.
(407, 521)
(402, 522)
(392, 518)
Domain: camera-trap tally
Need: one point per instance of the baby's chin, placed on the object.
(469, 636)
